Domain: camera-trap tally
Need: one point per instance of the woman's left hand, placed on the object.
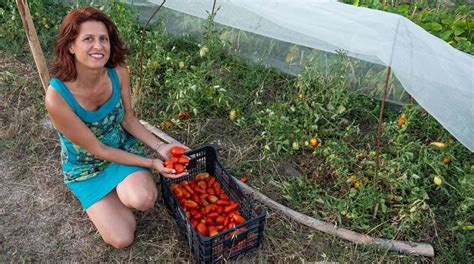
(164, 151)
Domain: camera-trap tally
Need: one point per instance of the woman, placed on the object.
(89, 104)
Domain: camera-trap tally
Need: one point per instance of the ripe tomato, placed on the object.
(190, 204)
(212, 198)
(177, 151)
(201, 228)
(220, 220)
(212, 231)
(179, 168)
(212, 215)
(402, 119)
(183, 160)
(446, 160)
(231, 208)
(222, 202)
(243, 179)
(356, 185)
(202, 176)
(183, 115)
(314, 142)
(238, 218)
(202, 185)
(199, 190)
(168, 162)
(188, 188)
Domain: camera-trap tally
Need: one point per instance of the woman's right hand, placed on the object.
(157, 164)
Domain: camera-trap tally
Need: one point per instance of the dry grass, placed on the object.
(41, 221)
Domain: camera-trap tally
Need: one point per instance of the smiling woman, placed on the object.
(92, 46)
(89, 104)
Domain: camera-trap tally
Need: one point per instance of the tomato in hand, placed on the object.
(177, 151)
(183, 160)
(179, 168)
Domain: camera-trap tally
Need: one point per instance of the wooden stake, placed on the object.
(377, 147)
(34, 43)
(142, 47)
(405, 247)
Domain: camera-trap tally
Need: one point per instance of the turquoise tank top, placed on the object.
(105, 123)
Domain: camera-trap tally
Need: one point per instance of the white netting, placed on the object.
(439, 77)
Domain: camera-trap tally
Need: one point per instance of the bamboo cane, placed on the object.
(33, 41)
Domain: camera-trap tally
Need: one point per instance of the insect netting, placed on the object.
(290, 34)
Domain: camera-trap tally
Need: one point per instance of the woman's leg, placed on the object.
(138, 191)
(114, 221)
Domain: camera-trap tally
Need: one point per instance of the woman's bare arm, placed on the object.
(74, 129)
(131, 123)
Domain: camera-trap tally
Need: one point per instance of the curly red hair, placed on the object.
(63, 66)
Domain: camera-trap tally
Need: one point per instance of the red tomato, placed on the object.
(183, 115)
(199, 190)
(243, 179)
(186, 194)
(223, 196)
(177, 151)
(211, 181)
(220, 209)
(183, 160)
(220, 220)
(212, 198)
(213, 231)
(210, 191)
(190, 204)
(203, 199)
(202, 185)
(238, 218)
(179, 168)
(188, 188)
(222, 202)
(201, 228)
(231, 208)
(212, 215)
(195, 198)
(196, 215)
(202, 176)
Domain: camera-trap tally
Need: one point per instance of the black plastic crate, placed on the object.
(222, 246)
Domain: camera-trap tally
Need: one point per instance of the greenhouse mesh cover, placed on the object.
(439, 77)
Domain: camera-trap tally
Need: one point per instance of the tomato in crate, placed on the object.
(218, 219)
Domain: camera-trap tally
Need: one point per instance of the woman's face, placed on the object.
(91, 48)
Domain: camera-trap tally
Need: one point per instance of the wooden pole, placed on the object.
(406, 247)
(377, 146)
(33, 41)
(139, 88)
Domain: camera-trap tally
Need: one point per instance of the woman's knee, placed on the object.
(120, 240)
(138, 191)
(143, 200)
